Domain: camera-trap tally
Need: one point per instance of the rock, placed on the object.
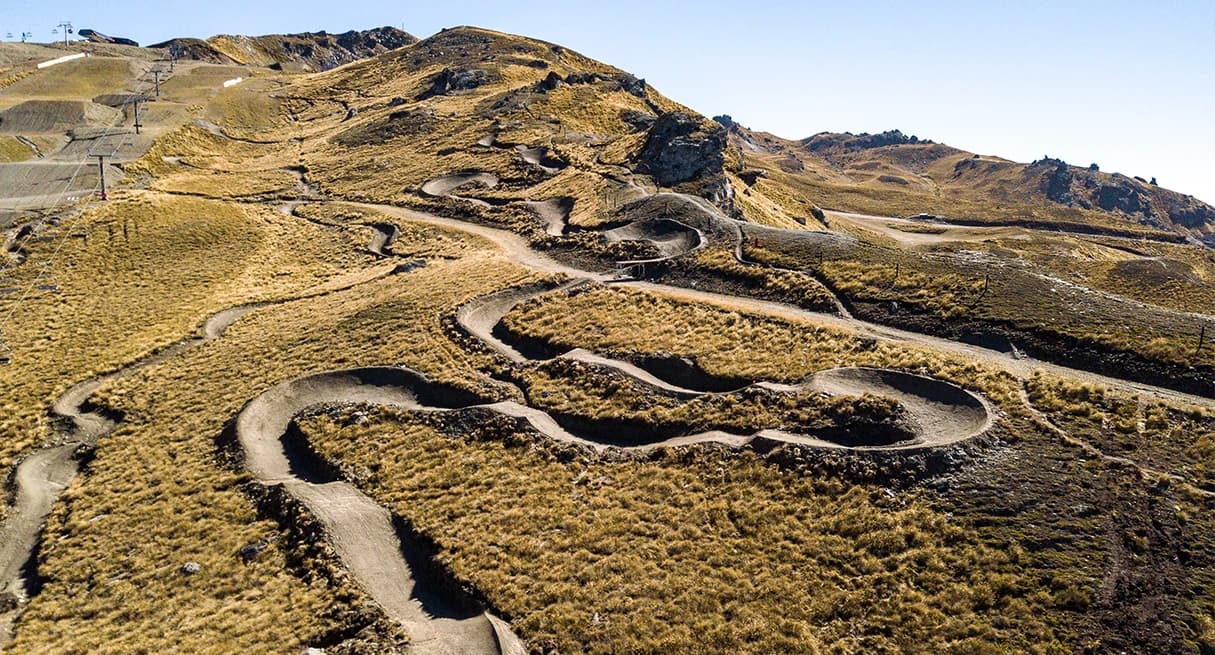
(409, 266)
(190, 568)
(679, 149)
(8, 601)
(1119, 196)
(550, 82)
(751, 176)
(451, 80)
(639, 120)
(249, 552)
(584, 78)
(396, 102)
(632, 85)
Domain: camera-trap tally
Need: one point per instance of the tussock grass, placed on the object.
(691, 551)
(155, 496)
(152, 268)
(726, 343)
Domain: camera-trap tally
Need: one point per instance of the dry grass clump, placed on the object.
(726, 343)
(1155, 435)
(155, 495)
(789, 286)
(958, 281)
(196, 147)
(693, 551)
(152, 268)
(220, 184)
(13, 150)
(77, 79)
(946, 295)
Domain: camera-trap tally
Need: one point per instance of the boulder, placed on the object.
(550, 82)
(451, 80)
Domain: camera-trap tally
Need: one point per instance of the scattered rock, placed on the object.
(249, 552)
(190, 568)
(409, 266)
(638, 120)
(751, 176)
(396, 102)
(550, 82)
(584, 78)
(449, 80)
(632, 85)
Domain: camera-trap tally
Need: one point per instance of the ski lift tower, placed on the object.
(66, 26)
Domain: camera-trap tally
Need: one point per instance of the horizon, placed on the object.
(1079, 83)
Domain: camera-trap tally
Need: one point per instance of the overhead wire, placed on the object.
(6, 351)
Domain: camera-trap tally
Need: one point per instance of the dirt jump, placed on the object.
(671, 238)
(445, 185)
(940, 413)
(360, 530)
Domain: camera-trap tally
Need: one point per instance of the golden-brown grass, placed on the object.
(727, 343)
(692, 551)
(155, 495)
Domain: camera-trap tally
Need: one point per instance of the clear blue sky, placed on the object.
(1128, 85)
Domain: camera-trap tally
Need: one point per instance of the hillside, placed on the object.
(308, 51)
(479, 345)
(892, 174)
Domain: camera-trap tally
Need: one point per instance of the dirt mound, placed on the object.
(671, 238)
(55, 116)
(443, 186)
(554, 213)
(939, 412)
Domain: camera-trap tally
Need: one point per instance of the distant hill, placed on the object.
(309, 51)
(896, 174)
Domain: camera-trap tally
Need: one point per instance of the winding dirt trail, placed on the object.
(516, 248)
(42, 476)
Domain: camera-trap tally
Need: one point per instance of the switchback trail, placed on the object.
(516, 248)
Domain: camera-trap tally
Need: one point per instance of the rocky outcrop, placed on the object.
(450, 80)
(687, 154)
(681, 148)
(314, 51)
(863, 141)
(1147, 203)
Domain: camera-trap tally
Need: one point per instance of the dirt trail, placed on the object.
(44, 474)
(517, 249)
(360, 530)
(1044, 421)
(941, 413)
(443, 186)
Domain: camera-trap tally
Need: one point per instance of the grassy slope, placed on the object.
(737, 556)
(906, 179)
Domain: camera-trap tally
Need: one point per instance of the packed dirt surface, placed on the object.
(671, 238)
(360, 530)
(554, 214)
(910, 232)
(444, 186)
(942, 413)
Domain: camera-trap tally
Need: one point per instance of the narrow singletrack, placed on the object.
(516, 248)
